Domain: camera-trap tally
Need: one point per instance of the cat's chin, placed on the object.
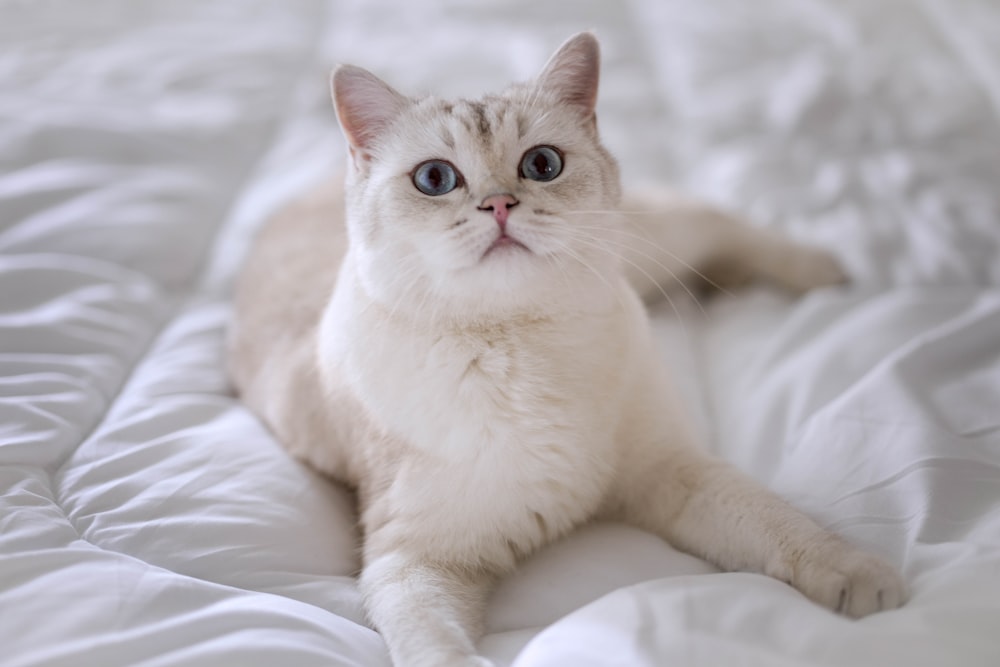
(503, 246)
(506, 277)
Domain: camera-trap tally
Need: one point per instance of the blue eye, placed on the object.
(541, 163)
(435, 177)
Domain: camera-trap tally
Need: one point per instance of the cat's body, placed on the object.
(469, 354)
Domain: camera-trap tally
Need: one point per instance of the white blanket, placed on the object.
(146, 517)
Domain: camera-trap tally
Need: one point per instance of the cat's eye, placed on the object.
(435, 177)
(541, 163)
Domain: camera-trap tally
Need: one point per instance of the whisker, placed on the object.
(651, 258)
(680, 318)
(575, 256)
(404, 277)
(657, 246)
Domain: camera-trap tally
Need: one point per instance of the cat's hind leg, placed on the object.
(668, 239)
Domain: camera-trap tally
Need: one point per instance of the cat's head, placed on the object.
(477, 206)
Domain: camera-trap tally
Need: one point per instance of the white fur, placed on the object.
(485, 404)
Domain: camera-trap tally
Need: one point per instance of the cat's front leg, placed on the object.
(427, 612)
(708, 508)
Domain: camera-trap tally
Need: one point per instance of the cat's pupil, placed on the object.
(542, 165)
(435, 177)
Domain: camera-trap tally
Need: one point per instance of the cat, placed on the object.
(470, 351)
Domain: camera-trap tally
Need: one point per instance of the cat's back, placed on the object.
(279, 297)
(286, 278)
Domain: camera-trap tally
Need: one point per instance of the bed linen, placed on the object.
(146, 517)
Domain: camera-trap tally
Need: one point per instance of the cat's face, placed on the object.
(484, 204)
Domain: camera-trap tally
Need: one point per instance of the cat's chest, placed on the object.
(454, 392)
(494, 508)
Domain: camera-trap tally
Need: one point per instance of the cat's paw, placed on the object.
(810, 268)
(450, 660)
(848, 581)
(470, 661)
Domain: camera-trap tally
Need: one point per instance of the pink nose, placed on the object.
(500, 205)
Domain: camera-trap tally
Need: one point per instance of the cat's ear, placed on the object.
(572, 73)
(365, 105)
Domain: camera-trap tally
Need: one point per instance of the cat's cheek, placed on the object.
(440, 257)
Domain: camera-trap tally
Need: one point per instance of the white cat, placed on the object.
(467, 352)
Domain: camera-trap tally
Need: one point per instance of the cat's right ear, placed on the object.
(366, 106)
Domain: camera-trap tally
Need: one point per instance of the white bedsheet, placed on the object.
(147, 518)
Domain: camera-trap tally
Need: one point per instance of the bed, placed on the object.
(146, 516)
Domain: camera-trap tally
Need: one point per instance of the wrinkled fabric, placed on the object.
(147, 517)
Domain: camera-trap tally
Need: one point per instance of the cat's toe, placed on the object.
(873, 586)
(479, 661)
(851, 582)
(448, 660)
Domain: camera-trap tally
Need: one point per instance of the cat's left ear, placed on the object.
(572, 73)
(366, 107)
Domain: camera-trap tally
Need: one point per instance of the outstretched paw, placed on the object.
(849, 581)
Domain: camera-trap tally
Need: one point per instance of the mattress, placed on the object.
(147, 517)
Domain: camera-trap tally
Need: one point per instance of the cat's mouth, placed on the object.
(505, 244)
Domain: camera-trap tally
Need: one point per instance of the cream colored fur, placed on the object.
(485, 404)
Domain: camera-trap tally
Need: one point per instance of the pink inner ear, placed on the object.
(573, 72)
(365, 105)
